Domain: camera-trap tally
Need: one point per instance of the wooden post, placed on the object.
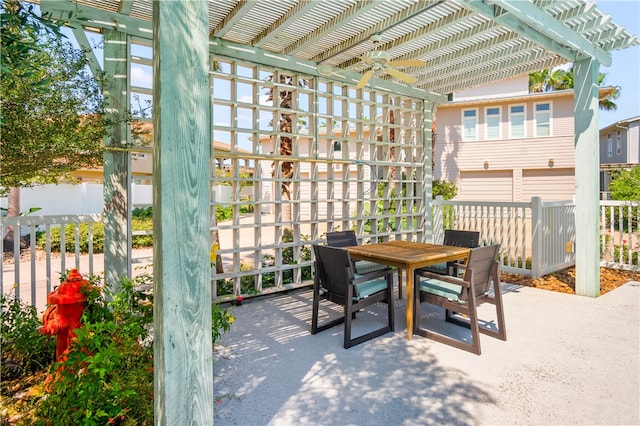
(117, 164)
(183, 352)
(587, 174)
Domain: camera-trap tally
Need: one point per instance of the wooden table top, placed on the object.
(407, 254)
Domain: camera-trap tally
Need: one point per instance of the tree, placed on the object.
(559, 79)
(52, 116)
(625, 184)
(285, 125)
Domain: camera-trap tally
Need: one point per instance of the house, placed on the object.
(142, 158)
(619, 148)
(502, 143)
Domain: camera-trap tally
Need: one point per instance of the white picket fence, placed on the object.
(536, 238)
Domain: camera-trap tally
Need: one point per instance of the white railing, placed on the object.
(620, 234)
(536, 238)
(34, 283)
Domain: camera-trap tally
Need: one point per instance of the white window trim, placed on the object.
(486, 123)
(524, 121)
(535, 119)
(464, 138)
(609, 145)
(619, 143)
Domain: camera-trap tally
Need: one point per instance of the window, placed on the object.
(609, 145)
(516, 121)
(543, 119)
(469, 124)
(492, 117)
(618, 144)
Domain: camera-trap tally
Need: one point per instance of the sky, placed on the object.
(625, 68)
(623, 72)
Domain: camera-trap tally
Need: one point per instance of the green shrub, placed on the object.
(107, 376)
(24, 350)
(621, 254)
(142, 213)
(137, 241)
(221, 321)
(448, 190)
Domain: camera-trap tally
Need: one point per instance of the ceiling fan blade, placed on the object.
(402, 76)
(367, 60)
(408, 63)
(365, 79)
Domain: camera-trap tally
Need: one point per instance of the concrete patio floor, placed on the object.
(568, 360)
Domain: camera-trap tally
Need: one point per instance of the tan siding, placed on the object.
(549, 184)
(562, 120)
(454, 159)
(486, 186)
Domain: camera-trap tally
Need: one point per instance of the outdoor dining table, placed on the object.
(408, 256)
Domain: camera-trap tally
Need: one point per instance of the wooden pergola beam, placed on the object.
(183, 351)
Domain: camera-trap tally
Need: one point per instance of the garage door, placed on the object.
(549, 184)
(494, 185)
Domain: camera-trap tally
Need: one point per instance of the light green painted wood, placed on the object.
(515, 23)
(83, 41)
(587, 177)
(117, 164)
(552, 28)
(97, 18)
(183, 353)
(257, 56)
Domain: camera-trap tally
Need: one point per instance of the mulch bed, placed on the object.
(564, 281)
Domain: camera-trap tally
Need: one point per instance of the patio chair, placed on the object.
(348, 239)
(336, 282)
(463, 296)
(454, 237)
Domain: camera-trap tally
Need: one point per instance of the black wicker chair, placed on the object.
(336, 282)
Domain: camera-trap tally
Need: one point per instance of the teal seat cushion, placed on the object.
(368, 288)
(364, 266)
(442, 289)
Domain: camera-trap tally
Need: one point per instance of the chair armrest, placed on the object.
(445, 278)
(361, 278)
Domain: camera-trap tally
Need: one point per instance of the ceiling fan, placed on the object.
(381, 61)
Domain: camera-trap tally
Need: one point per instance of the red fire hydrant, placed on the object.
(63, 314)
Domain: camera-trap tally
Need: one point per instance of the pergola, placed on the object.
(464, 43)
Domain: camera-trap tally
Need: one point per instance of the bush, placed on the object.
(621, 254)
(24, 350)
(448, 190)
(142, 213)
(107, 376)
(137, 241)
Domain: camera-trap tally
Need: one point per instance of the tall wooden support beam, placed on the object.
(117, 164)
(587, 155)
(183, 358)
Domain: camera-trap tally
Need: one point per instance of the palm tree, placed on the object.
(559, 79)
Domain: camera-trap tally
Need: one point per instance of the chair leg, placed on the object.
(474, 326)
(502, 331)
(314, 312)
(390, 308)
